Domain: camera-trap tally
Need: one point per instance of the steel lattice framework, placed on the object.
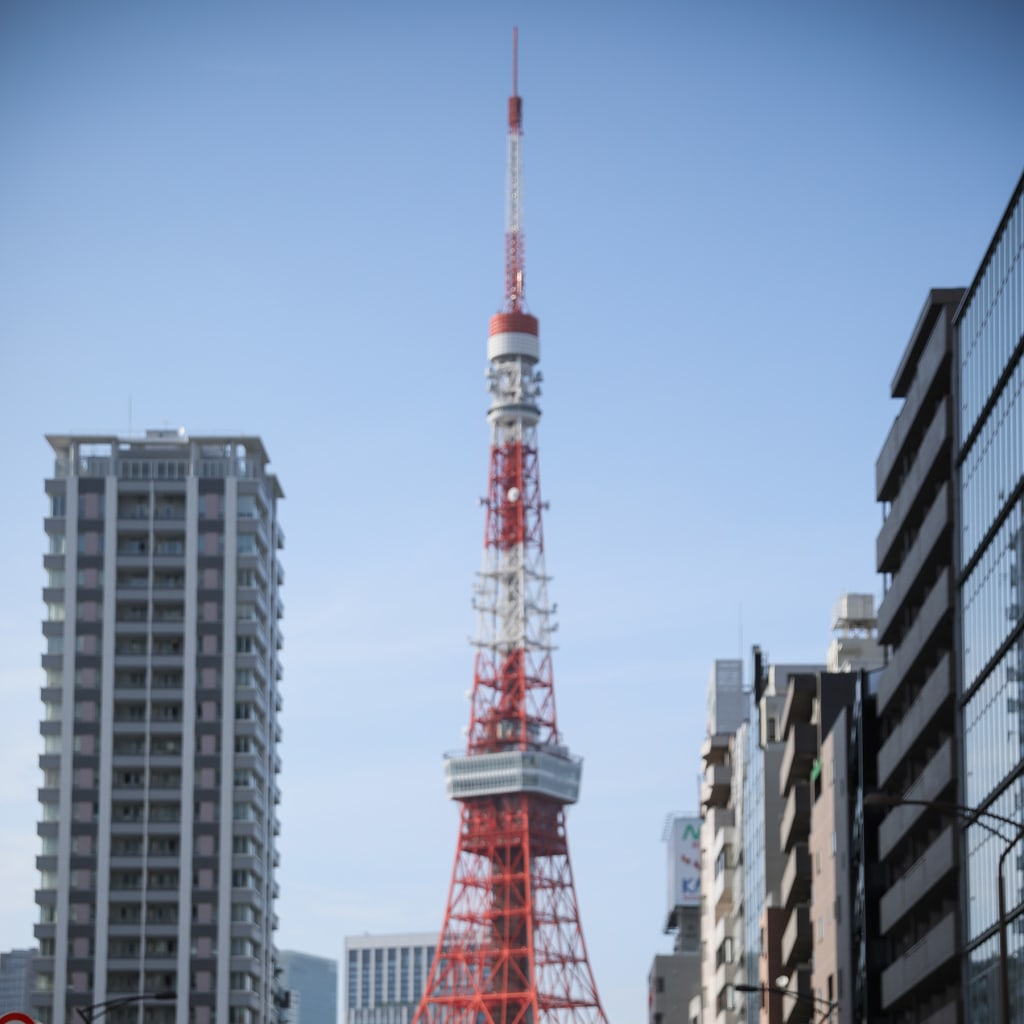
(511, 949)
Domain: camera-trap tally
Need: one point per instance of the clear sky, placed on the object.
(287, 220)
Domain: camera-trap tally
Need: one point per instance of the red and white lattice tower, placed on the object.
(511, 950)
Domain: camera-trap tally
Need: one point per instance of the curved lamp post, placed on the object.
(90, 1013)
(781, 990)
(974, 816)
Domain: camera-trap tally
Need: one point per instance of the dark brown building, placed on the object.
(919, 914)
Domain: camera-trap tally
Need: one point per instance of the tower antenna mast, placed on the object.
(515, 268)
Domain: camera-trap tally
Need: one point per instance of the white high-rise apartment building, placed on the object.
(160, 731)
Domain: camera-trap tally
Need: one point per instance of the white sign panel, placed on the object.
(684, 863)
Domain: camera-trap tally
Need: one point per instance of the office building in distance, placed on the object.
(385, 976)
(16, 979)
(310, 985)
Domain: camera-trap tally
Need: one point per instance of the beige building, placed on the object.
(721, 884)
(829, 847)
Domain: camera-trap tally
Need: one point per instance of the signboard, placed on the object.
(683, 862)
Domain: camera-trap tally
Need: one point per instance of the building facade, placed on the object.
(310, 984)
(763, 857)
(160, 730)
(989, 449)
(829, 851)
(674, 979)
(16, 973)
(916, 693)
(385, 976)
(866, 875)
(720, 882)
(774, 840)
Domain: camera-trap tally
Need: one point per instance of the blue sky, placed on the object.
(287, 220)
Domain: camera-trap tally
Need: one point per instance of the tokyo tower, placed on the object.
(511, 950)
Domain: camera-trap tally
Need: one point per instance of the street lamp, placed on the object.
(780, 989)
(90, 1013)
(974, 815)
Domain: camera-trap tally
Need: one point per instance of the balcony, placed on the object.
(796, 938)
(801, 689)
(721, 892)
(937, 776)
(931, 954)
(948, 1014)
(799, 754)
(915, 407)
(931, 547)
(716, 786)
(927, 466)
(930, 617)
(723, 928)
(721, 822)
(935, 865)
(715, 749)
(796, 878)
(796, 817)
(919, 720)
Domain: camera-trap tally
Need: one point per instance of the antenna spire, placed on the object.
(515, 60)
(514, 263)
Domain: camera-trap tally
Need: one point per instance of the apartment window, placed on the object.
(90, 543)
(724, 860)
(87, 578)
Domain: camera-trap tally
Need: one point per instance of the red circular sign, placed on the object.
(16, 1018)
